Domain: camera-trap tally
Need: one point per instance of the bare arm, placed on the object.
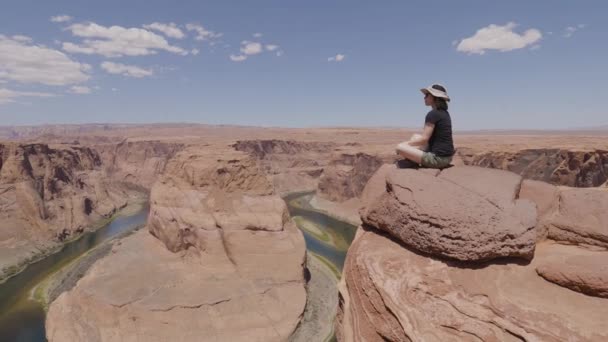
(424, 138)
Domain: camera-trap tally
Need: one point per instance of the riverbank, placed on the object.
(25, 296)
(136, 203)
(317, 322)
(67, 276)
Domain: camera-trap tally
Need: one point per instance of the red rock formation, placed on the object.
(392, 291)
(579, 270)
(346, 175)
(465, 213)
(224, 262)
(556, 166)
(137, 162)
(292, 165)
(49, 194)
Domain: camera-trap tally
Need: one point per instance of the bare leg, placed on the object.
(410, 152)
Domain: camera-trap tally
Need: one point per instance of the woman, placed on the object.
(434, 148)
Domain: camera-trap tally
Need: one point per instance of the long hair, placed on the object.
(440, 103)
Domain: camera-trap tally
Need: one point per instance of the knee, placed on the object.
(415, 136)
(404, 146)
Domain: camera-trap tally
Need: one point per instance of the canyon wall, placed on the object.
(556, 166)
(472, 254)
(221, 260)
(50, 194)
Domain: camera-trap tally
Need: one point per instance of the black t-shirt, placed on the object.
(441, 143)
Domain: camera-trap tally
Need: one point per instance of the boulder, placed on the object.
(581, 217)
(546, 197)
(452, 216)
(577, 269)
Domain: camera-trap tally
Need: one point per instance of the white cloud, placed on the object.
(22, 39)
(26, 63)
(125, 70)
(250, 48)
(170, 30)
(114, 89)
(569, 31)
(238, 58)
(117, 41)
(202, 33)
(337, 58)
(80, 90)
(257, 35)
(61, 18)
(8, 96)
(195, 51)
(501, 38)
(280, 53)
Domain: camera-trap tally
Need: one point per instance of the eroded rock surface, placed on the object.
(580, 270)
(581, 217)
(557, 166)
(223, 262)
(346, 175)
(464, 213)
(49, 194)
(397, 284)
(390, 292)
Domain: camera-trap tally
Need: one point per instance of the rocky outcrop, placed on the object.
(223, 262)
(137, 163)
(392, 293)
(49, 194)
(570, 215)
(465, 213)
(581, 217)
(346, 175)
(398, 285)
(580, 270)
(557, 166)
(262, 149)
(291, 165)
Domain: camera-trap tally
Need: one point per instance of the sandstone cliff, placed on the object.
(136, 163)
(221, 260)
(463, 255)
(292, 165)
(49, 194)
(557, 166)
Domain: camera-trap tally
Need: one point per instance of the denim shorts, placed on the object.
(432, 161)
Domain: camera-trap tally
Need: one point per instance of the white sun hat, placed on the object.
(436, 90)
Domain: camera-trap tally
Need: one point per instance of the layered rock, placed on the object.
(391, 293)
(581, 217)
(557, 166)
(584, 271)
(291, 165)
(465, 213)
(49, 194)
(223, 262)
(398, 285)
(137, 163)
(346, 175)
(570, 215)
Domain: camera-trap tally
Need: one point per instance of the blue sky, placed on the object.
(511, 64)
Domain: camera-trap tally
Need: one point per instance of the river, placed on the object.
(22, 318)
